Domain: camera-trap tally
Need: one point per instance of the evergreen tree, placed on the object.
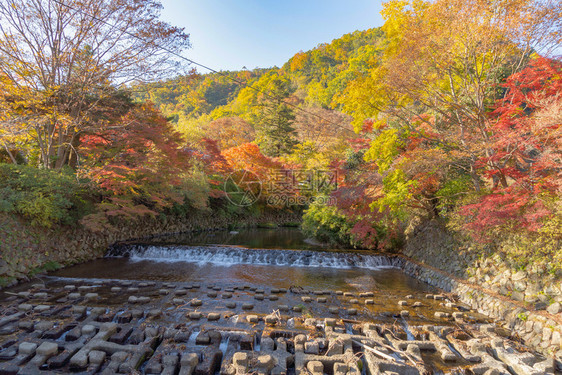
(275, 133)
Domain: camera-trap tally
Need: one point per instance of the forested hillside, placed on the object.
(207, 105)
(451, 111)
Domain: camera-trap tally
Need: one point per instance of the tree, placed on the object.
(248, 157)
(64, 58)
(230, 131)
(527, 153)
(444, 60)
(274, 122)
(139, 163)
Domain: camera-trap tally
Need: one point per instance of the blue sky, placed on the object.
(230, 34)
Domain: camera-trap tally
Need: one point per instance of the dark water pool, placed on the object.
(253, 238)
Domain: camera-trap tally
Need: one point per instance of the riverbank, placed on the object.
(27, 250)
(525, 301)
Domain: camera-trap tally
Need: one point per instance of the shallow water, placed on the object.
(177, 259)
(273, 276)
(276, 258)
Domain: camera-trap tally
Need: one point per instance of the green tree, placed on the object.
(275, 133)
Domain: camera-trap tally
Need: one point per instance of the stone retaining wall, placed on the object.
(525, 302)
(539, 329)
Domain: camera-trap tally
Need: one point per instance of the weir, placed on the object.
(231, 255)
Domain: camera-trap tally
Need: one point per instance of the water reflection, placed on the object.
(254, 238)
(253, 275)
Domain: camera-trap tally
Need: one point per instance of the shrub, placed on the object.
(44, 197)
(327, 224)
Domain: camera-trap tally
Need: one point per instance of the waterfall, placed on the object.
(232, 255)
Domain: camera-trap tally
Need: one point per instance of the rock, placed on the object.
(555, 308)
(311, 347)
(330, 322)
(252, 318)
(315, 367)
(88, 329)
(265, 363)
(270, 319)
(43, 326)
(340, 368)
(25, 307)
(518, 296)
(47, 349)
(519, 275)
(247, 306)
(189, 359)
(196, 302)
(79, 310)
(240, 359)
(402, 303)
(311, 322)
(213, 316)
(27, 348)
(96, 357)
(369, 302)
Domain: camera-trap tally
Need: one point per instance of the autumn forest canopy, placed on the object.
(451, 111)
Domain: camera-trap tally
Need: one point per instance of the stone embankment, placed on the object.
(527, 302)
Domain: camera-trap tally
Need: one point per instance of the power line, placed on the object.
(208, 68)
